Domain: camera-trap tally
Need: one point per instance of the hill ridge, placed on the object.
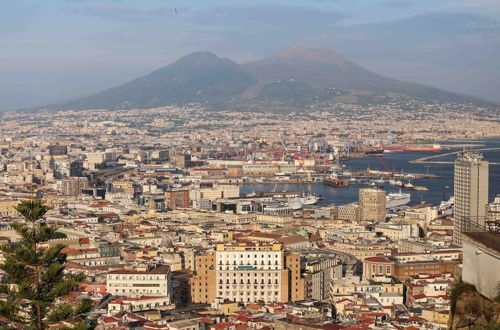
(301, 74)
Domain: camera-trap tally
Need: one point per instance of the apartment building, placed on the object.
(471, 193)
(73, 186)
(248, 272)
(350, 212)
(373, 204)
(251, 272)
(203, 283)
(177, 199)
(136, 283)
(379, 267)
(319, 271)
(397, 231)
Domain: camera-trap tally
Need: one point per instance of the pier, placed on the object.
(430, 159)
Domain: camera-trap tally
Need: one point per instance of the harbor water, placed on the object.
(438, 188)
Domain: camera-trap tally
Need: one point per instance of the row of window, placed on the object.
(255, 255)
(263, 267)
(255, 287)
(246, 263)
(135, 277)
(249, 274)
(125, 285)
(142, 292)
(381, 269)
(248, 293)
(248, 281)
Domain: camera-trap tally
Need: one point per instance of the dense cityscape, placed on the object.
(250, 165)
(148, 206)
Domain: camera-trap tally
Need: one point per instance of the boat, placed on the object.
(434, 147)
(394, 200)
(446, 207)
(392, 182)
(421, 188)
(409, 185)
(376, 152)
(334, 181)
(398, 183)
(353, 179)
(310, 199)
(296, 203)
(251, 194)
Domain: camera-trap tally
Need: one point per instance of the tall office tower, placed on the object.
(373, 204)
(471, 193)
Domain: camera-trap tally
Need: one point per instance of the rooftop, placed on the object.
(490, 240)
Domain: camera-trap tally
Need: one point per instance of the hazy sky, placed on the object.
(52, 50)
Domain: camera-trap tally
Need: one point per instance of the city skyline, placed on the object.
(222, 165)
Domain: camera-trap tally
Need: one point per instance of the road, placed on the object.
(349, 260)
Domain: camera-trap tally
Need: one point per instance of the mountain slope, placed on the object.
(294, 77)
(322, 69)
(196, 77)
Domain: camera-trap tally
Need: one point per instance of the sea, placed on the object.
(439, 188)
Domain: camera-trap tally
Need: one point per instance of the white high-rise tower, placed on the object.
(471, 193)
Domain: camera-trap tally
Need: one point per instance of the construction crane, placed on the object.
(284, 147)
(385, 166)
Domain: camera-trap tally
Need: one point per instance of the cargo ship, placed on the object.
(435, 147)
(334, 181)
(376, 152)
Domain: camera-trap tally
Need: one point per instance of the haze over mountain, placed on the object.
(196, 77)
(299, 75)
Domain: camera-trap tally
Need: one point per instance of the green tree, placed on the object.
(66, 311)
(34, 273)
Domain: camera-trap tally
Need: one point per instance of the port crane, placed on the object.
(385, 166)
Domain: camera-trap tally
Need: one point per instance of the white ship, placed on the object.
(446, 207)
(296, 203)
(309, 199)
(394, 200)
(409, 185)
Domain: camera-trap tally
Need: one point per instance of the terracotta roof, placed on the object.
(293, 239)
(377, 259)
(222, 325)
(109, 319)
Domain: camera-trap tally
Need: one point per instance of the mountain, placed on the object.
(324, 69)
(296, 76)
(196, 77)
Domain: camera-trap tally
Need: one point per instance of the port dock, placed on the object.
(430, 159)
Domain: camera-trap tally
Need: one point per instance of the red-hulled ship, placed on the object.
(435, 147)
(334, 181)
